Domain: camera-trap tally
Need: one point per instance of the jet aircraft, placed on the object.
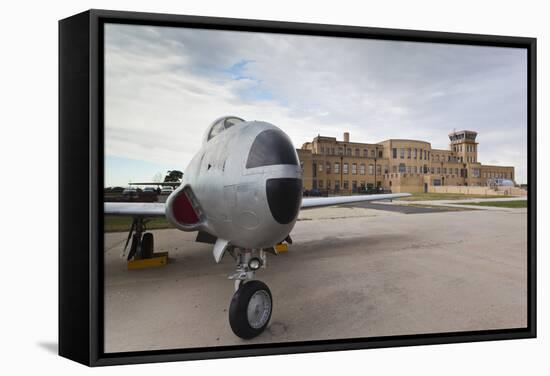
(242, 192)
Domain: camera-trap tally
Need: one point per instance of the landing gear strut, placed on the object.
(142, 245)
(252, 303)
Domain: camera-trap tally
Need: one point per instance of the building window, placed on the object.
(328, 167)
(475, 173)
(340, 151)
(431, 170)
(328, 184)
(354, 185)
(321, 167)
(357, 152)
(439, 170)
(415, 152)
(322, 150)
(402, 168)
(419, 153)
(346, 184)
(320, 184)
(354, 168)
(345, 170)
(444, 170)
(409, 153)
(348, 152)
(408, 169)
(337, 168)
(402, 153)
(380, 154)
(362, 169)
(394, 169)
(386, 169)
(394, 153)
(332, 151)
(372, 153)
(378, 170)
(371, 169)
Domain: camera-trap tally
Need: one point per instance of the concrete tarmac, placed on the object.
(351, 272)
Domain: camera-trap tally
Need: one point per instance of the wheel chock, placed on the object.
(158, 259)
(281, 247)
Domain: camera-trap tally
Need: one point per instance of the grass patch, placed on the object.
(122, 223)
(440, 207)
(442, 196)
(503, 204)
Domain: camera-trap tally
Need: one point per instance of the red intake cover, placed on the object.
(183, 210)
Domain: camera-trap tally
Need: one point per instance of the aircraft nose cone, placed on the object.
(283, 197)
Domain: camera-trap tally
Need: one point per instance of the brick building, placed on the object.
(396, 164)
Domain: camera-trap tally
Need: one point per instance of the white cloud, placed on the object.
(165, 85)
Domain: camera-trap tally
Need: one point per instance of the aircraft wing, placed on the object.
(135, 209)
(316, 202)
(155, 209)
(170, 183)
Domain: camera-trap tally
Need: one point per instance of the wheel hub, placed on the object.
(259, 308)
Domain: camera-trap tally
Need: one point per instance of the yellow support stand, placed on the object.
(281, 247)
(158, 259)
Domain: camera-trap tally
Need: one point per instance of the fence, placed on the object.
(467, 190)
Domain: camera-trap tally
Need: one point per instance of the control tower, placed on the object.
(464, 145)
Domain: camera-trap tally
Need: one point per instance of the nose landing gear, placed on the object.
(252, 304)
(250, 309)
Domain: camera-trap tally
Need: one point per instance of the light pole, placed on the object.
(375, 158)
(342, 167)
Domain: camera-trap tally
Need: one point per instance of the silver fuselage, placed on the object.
(233, 199)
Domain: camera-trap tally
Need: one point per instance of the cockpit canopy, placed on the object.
(221, 125)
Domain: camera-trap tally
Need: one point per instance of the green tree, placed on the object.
(173, 175)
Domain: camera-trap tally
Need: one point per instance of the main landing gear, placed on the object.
(142, 242)
(141, 254)
(252, 303)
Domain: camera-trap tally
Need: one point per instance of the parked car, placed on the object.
(166, 190)
(149, 194)
(315, 193)
(130, 193)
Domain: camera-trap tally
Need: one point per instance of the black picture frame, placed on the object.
(81, 159)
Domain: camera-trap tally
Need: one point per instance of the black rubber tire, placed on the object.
(147, 245)
(238, 317)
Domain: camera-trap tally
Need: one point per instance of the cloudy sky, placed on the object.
(164, 86)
